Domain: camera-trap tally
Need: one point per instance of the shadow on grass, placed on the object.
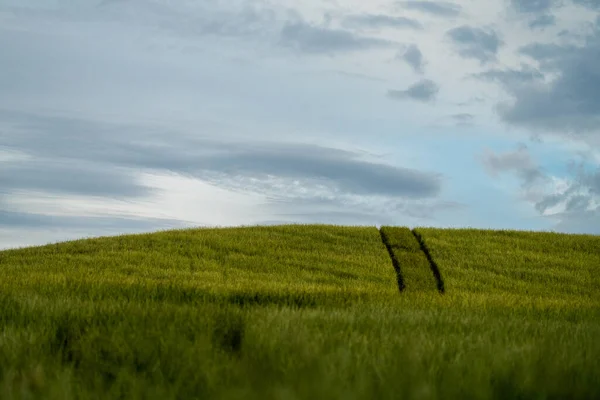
(259, 299)
(228, 332)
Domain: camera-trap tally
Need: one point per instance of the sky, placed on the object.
(123, 116)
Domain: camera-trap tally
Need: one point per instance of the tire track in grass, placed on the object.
(395, 263)
(432, 264)
(412, 264)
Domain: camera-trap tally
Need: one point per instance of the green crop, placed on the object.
(303, 312)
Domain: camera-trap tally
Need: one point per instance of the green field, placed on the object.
(303, 312)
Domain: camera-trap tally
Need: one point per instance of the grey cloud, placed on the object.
(438, 8)
(578, 203)
(14, 219)
(511, 77)
(477, 43)
(550, 201)
(548, 55)
(259, 21)
(192, 18)
(592, 4)
(566, 33)
(593, 182)
(413, 57)
(341, 168)
(533, 6)
(89, 145)
(518, 161)
(570, 104)
(542, 21)
(308, 38)
(590, 181)
(425, 90)
(72, 177)
(378, 21)
(94, 169)
(538, 11)
(463, 119)
(105, 3)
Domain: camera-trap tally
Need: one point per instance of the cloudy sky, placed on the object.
(139, 115)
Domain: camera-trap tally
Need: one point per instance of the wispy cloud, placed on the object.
(424, 91)
(539, 13)
(437, 8)
(534, 6)
(518, 161)
(308, 38)
(542, 21)
(380, 21)
(478, 43)
(463, 119)
(591, 4)
(511, 77)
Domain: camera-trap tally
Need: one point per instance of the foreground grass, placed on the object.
(105, 318)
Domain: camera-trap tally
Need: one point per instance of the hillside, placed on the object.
(303, 311)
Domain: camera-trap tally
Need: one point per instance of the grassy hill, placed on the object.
(300, 312)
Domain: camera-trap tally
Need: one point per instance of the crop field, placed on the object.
(303, 312)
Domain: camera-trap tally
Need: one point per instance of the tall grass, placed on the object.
(517, 266)
(301, 312)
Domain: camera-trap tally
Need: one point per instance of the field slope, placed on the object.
(303, 312)
(284, 264)
(518, 267)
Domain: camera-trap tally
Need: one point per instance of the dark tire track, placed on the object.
(395, 263)
(434, 267)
